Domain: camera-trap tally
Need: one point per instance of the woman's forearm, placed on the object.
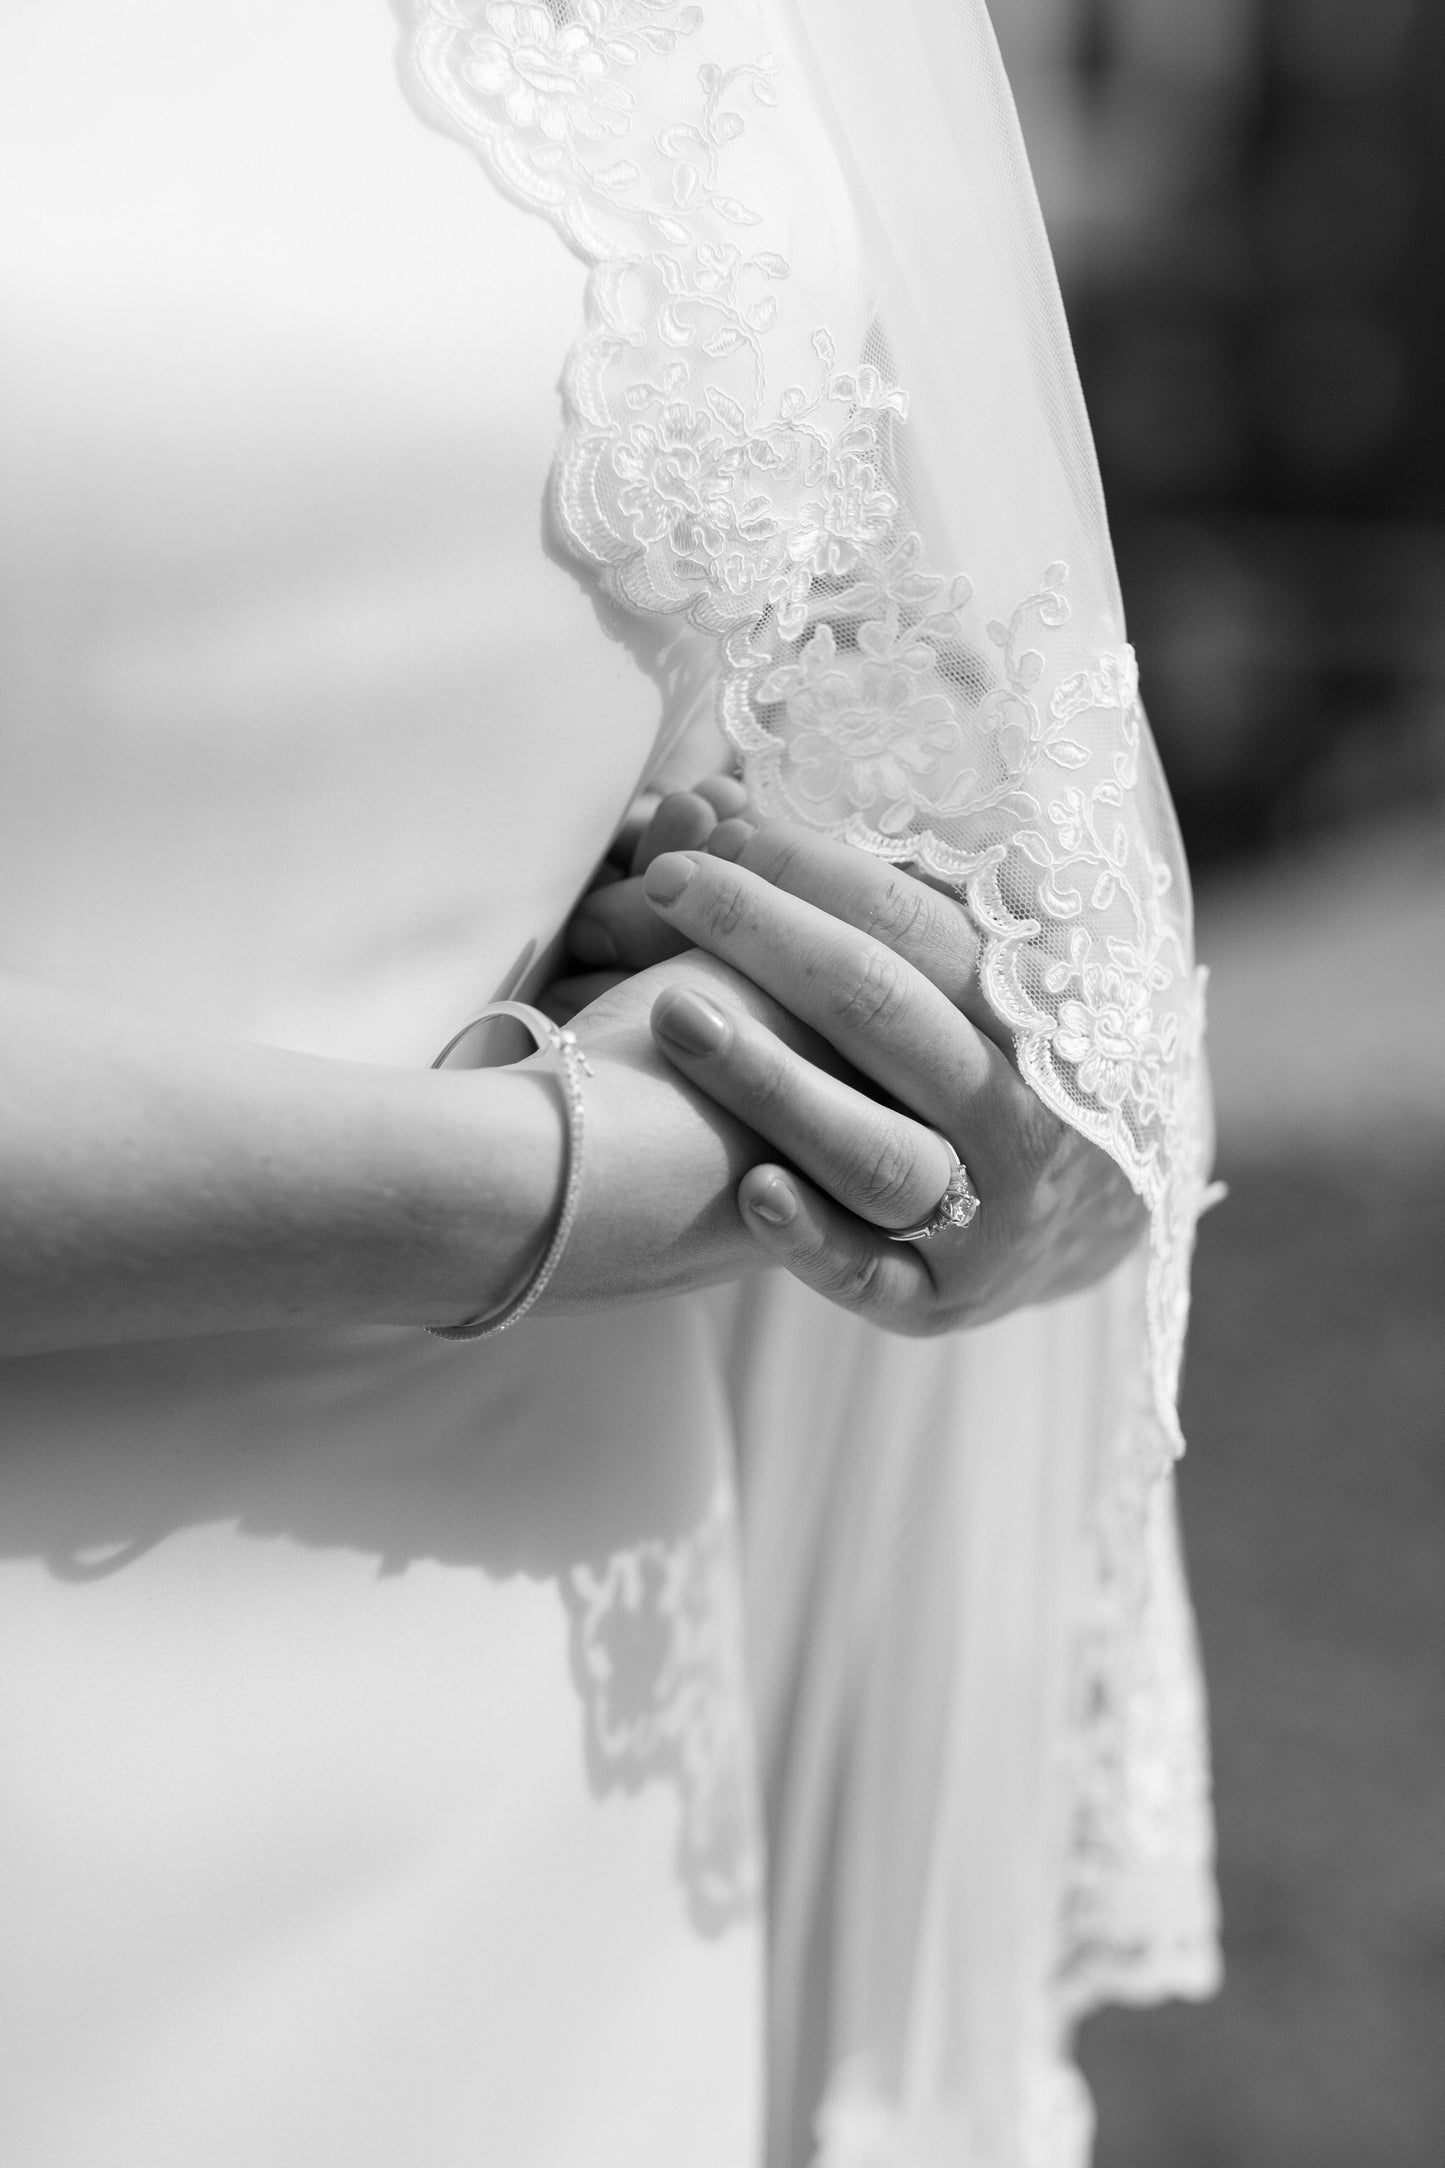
(154, 1183)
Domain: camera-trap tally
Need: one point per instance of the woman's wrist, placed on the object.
(485, 1176)
(160, 1185)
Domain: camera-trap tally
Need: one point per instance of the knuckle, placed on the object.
(899, 912)
(884, 1175)
(728, 909)
(871, 994)
(1042, 1143)
(852, 1280)
(768, 1080)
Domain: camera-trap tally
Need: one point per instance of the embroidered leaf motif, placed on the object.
(1059, 902)
(727, 410)
(1065, 753)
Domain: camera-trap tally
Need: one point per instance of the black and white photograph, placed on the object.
(722, 1084)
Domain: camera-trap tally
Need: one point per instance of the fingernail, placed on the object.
(776, 1203)
(667, 877)
(691, 1023)
(729, 837)
(591, 942)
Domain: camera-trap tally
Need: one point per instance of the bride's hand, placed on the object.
(881, 966)
(663, 1157)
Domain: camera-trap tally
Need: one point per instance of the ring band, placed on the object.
(955, 1208)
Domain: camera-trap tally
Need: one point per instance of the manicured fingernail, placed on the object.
(776, 1203)
(667, 877)
(691, 1023)
(729, 837)
(590, 941)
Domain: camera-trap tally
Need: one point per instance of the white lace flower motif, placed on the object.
(862, 733)
(1109, 1033)
(687, 486)
(843, 529)
(674, 473)
(888, 587)
(551, 77)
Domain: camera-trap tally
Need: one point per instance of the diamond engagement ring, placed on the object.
(955, 1208)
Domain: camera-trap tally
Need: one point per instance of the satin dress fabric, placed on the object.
(374, 1762)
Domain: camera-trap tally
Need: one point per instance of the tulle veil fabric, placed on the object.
(824, 410)
(979, 1691)
(980, 1726)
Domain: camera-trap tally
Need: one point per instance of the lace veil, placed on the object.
(824, 410)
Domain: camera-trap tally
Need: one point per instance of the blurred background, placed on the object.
(1247, 202)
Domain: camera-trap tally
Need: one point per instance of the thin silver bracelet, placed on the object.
(572, 1065)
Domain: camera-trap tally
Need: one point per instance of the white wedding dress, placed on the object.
(379, 1778)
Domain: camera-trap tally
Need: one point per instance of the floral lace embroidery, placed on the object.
(655, 1636)
(859, 691)
(1138, 1909)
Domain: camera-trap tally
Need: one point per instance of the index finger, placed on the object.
(893, 1024)
(930, 930)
